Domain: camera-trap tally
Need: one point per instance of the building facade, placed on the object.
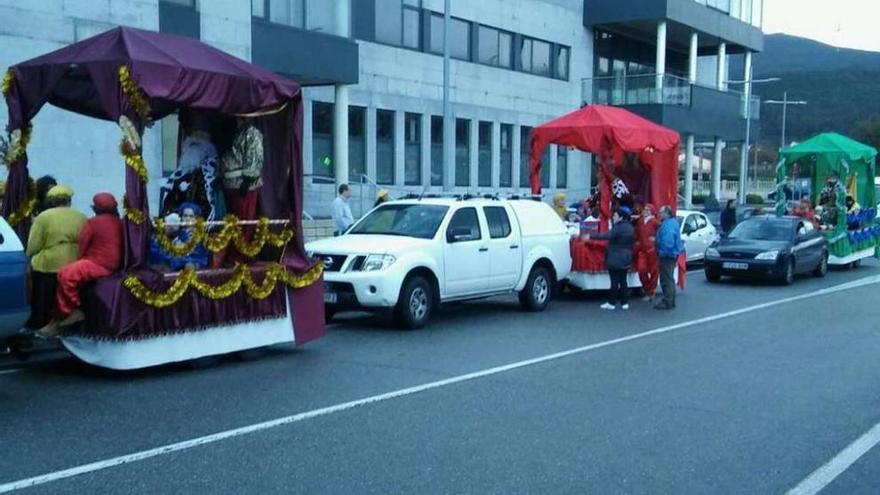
(373, 74)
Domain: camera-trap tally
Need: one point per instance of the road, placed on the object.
(745, 388)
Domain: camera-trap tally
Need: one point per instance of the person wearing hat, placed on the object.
(647, 262)
(52, 244)
(198, 258)
(382, 197)
(100, 254)
(618, 256)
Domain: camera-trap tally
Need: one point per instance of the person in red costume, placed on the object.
(100, 254)
(647, 262)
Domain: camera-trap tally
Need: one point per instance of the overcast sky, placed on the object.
(844, 23)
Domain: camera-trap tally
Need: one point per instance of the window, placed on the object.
(701, 222)
(436, 150)
(409, 220)
(385, 147)
(465, 220)
(412, 162)
(258, 8)
(170, 128)
(412, 27)
(562, 63)
(506, 145)
(460, 39)
(525, 55)
(357, 145)
(287, 12)
(484, 155)
(498, 221)
(188, 3)
(493, 46)
(524, 156)
(322, 139)
(462, 152)
(436, 44)
(561, 167)
(321, 16)
(535, 56)
(398, 23)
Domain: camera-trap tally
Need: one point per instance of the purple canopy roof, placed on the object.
(172, 70)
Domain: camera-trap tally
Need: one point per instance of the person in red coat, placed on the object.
(647, 262)
(100, 254)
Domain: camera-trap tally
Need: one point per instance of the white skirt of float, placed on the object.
(601, 280)
(858, 255)
(173, 348)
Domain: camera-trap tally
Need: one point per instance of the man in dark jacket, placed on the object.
(669, 247)
(728, 217)
(618, 256)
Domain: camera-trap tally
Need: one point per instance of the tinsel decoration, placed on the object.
(17, 146)
(134, 160)
(26, 209)
(241, 278)
(8, 79)
(135, 96)
(231, 232)
(134, 215)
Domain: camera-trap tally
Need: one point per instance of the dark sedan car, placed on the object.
(768, 247)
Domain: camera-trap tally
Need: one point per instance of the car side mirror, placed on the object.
(458, 234)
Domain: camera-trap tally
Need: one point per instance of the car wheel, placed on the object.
(788, 276)
(712, 275)
(822, 268)
(415, 303)
(535, 296)
(329, 314)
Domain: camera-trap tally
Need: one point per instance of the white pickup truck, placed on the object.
(411, 255)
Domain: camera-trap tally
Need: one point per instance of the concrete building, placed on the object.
(373, 73)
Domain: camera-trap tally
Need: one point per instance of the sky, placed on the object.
(843, 23)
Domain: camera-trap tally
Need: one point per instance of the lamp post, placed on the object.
(744, 159)
(785, 103)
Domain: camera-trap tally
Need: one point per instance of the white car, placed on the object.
(411, 255)
(697, 232)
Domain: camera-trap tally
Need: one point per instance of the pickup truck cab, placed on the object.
(412, 255)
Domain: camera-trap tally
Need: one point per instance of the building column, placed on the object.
(722, 67)
(370, 138)
(693, 57)
(660, 62)
(689, 171)
(716, 169)
(340, 135)
(307, 153)
(744, 152)
(399, 148)
(449, 153)
(553, 164)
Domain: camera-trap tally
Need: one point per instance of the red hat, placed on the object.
(649, 206)
(104, 202)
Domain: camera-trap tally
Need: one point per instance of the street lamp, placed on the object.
(785, 103)
(744, 159)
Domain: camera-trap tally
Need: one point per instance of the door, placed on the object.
(692, 244)
(465, 255)
(705, 233)
(505, 251)
(807, 247)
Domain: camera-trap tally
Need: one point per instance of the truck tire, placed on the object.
(415, 303)
(535, 296)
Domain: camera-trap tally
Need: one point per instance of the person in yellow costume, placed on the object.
(559, 205)
(52, 244)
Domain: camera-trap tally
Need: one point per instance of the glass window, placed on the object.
(459, 39)
(505, 48)
(389, 20)
(524, 156)
(493, 46)
(287, 12)
(525, 55)
(385, 147)
(498, 221)
(322, 139)
(462, 152)
(436, 44)
(541, 58)
(321, 16)
(357, 144)
(170, 128)
(484, 156)
(757, 12)
(746, 11)
(436, 150)
(506, 145)
(258, 8)
(188, 3)
(562, 62)
(701, 222)
(561, 167)
(465, 219)
(412, 173)
(412, 28)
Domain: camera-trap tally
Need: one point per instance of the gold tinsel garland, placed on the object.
(136, 216)
(241, 277)
(8, 79)
(134, 160)
(26, 209)
(231, 232)
(135, 96)
(18, 143)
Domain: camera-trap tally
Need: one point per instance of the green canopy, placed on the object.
(831, 143)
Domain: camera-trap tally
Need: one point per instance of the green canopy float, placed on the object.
(821, 159)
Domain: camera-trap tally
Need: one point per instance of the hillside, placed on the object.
(842, 87)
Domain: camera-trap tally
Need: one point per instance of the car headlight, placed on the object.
(712, 253)
(768, 255)
(376, 262)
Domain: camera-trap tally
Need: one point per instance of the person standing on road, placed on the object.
(342, 217)
(669, 247)
(728, 217)
(647, 263)
(618, 256)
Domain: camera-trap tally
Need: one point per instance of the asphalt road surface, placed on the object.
(746, 388)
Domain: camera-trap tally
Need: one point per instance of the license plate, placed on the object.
(735, 266)
(330, 297)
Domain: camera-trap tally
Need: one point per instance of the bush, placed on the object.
(698, 199)
(754, 199)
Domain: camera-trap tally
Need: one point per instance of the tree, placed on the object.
(868, 131)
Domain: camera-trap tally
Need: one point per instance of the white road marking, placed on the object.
(324, 411)
(822, 477)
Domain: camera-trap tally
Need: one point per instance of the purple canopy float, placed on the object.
(134, 77)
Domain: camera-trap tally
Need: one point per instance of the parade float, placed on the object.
(835, 167)
(636, 158)
(141, 317)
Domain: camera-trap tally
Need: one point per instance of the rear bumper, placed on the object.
(756, 268)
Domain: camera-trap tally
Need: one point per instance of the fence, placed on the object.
(730, 188)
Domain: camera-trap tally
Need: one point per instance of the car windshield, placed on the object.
(409, 220)
(760, 229)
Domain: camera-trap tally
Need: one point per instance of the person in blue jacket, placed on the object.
(669, 247)
(197, 259)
